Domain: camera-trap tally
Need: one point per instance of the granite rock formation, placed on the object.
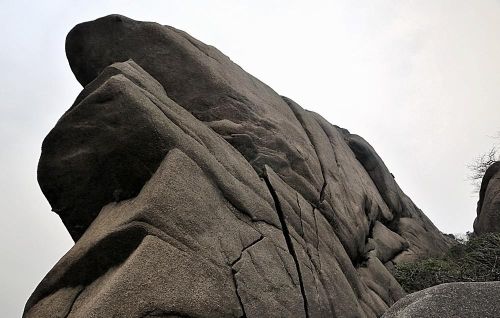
(192, 189)
(464, 300)
(488, 206)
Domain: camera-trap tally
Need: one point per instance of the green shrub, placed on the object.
(475, 260)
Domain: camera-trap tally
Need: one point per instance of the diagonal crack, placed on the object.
(317, 237)
(246, 248)
(234, 272)
(288, 239)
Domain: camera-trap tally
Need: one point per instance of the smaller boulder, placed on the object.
(462, 300)
(488, 206)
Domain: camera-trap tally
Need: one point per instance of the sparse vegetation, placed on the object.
(473, 260)
(479, 166)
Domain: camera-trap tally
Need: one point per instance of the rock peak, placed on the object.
(176, 170)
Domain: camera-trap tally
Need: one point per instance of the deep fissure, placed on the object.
(288, 239)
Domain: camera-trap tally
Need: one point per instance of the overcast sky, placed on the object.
(420, 80)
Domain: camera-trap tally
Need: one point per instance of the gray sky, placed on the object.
(418, 79)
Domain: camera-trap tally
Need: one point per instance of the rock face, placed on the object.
(488, 206)
(464, 300)
(192, 189)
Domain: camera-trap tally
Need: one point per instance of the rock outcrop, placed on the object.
(192, 189)
(488, 206)
(464, 300)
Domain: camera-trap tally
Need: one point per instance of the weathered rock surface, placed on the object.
(488, 206)
(192, 189)
(464, 300)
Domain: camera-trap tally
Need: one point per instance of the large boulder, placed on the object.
(464, 300)
(193, 189)
(488, 206)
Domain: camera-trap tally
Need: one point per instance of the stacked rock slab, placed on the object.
(488, 206)
(192, 189)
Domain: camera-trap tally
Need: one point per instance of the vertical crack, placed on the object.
(235, 282)
(300, 214)
(317, 238)
(234, 272)
(288, 239)
(322, 192)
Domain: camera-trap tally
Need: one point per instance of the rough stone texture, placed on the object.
(488, 206)
(192, 189)
(463, 300)
(409, 221)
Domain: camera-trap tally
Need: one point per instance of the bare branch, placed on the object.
(479, 166)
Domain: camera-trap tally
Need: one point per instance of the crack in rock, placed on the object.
(288, 239)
